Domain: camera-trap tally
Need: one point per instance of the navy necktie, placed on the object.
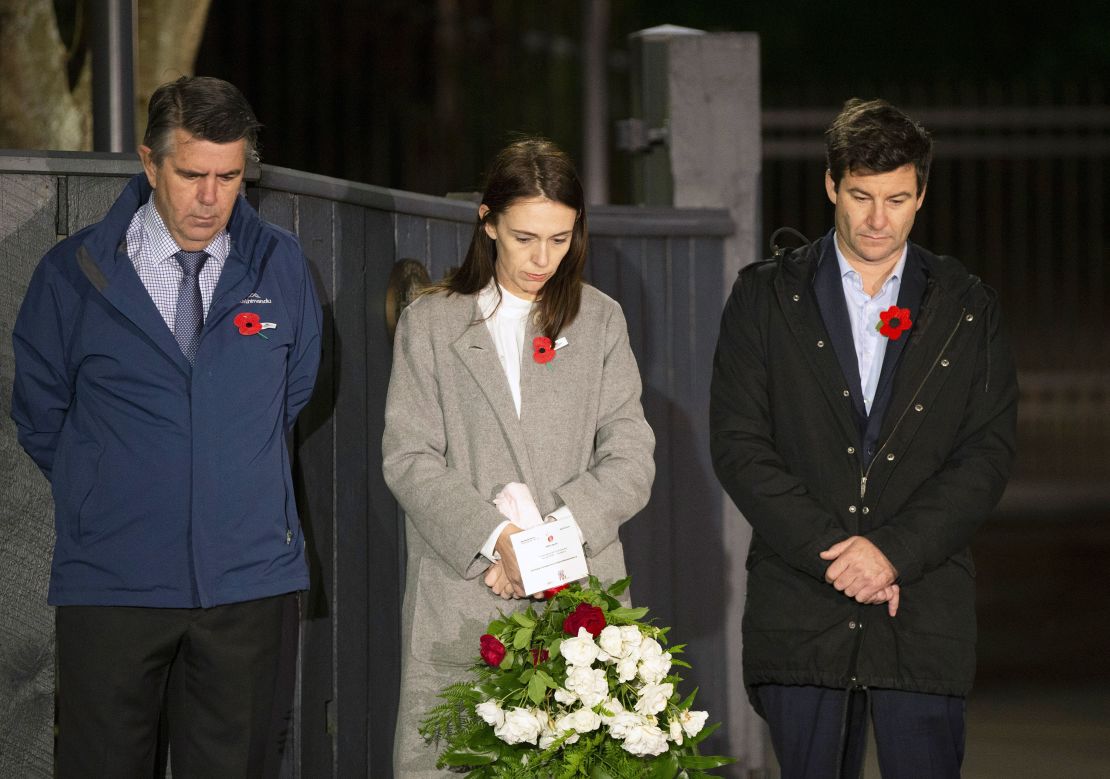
(189, 318)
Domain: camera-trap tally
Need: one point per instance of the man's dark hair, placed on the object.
(207, 108)
(872, 136)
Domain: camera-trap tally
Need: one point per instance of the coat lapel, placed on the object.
(476, 351)
(828, 288)
(796, 294)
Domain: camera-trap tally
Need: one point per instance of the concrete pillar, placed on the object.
(696, 136)
(714, 134)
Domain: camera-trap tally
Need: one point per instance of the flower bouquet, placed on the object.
(582, 688)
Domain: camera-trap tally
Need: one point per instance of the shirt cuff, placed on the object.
(488, 551)
(562, 513)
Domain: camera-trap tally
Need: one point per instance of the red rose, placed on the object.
(549, 594)
(585, 616)
(539, 656)
(893, 322)
(492, 651)
(248, 323)
(544, 351)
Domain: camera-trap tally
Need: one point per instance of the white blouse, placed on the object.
(506, 322)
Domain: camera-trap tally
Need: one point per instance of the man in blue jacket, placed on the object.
(162, 357)
(862, 416)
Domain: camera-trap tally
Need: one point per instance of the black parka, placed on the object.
(785, 445)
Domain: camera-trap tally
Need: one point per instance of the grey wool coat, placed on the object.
(453, 440)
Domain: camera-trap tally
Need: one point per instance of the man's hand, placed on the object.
(507, 580)
(861, 571)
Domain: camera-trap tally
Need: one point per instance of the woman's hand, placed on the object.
(497, 581)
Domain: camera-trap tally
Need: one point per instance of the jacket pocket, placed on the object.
(73, 483)
(449, 615)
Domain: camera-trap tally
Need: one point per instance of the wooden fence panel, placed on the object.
(27, 229)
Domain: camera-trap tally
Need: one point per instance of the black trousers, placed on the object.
(231, 688)
(821, 732)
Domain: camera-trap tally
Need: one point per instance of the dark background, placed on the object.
(419, 94)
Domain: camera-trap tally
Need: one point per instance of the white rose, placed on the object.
(491, 712)
(649, 647)
(676, 732)
(653, 698)
(627, 668)
(565, 697)
(548, 732)
(645, 739)
(624, 722)
(583, 720)
(654, 668)
(589, 684)
(631, 638)
(609, 709)
(693, 721)
(611, 642)
(546, 740)
(580, 651)
(520, 725)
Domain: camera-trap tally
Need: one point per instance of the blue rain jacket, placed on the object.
(171, 482)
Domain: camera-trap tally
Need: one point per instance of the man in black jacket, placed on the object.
(862, 418)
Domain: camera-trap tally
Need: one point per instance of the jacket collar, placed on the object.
(797, 298)
(811, 294)
(828, 290)
(103, 258)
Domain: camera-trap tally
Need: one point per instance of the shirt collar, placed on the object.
(852, 273)
(164, 247)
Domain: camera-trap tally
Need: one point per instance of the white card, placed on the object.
(549, 555)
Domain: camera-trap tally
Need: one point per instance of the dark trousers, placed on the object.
(821, 732)
(225, 701)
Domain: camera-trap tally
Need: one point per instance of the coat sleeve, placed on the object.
(779, 506)
(617, 483)
(304, 359)
(44, 386)
(940, 517)
(440, 501)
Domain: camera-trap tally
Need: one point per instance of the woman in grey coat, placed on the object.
(511, 371)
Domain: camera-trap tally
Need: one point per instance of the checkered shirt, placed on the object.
(151, 249)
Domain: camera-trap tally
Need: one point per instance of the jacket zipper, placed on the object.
(854, 660)
(864, 474)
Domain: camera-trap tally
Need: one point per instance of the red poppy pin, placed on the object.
(249, 323)
(543, 350)
(893, 322)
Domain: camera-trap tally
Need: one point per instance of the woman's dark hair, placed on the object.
(208, 108)
(530, 168)
(873, 136)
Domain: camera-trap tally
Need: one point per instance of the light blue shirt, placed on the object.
(863, 311)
